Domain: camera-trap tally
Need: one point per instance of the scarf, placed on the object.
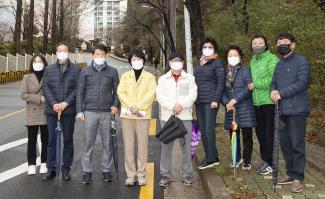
(206, 59)
(231, 75)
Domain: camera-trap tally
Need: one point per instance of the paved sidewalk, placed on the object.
(220, 183)
(176, 189)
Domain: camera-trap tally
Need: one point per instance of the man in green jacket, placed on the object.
(262, 67)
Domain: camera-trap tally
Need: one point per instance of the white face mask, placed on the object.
(99, 61)
(233, 61)
(176, 65)
(137, 65)
(208, 51)
(62, 56)
(38, 66)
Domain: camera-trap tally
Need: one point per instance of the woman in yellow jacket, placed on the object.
(136, 93)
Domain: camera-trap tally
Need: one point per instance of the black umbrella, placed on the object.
(114, 143)
(278, 125)
(58, 132)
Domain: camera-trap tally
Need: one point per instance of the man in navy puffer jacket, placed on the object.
(289, 90)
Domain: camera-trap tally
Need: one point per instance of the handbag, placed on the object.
(173, 129)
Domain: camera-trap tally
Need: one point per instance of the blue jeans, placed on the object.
(67, 122)
(207, 118)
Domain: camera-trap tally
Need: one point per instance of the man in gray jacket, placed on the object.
(97, 101)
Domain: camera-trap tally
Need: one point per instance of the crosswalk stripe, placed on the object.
(11, 173)
(146, 192)
(13, 144)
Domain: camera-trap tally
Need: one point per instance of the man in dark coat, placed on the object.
(289, 89)
(59, 87)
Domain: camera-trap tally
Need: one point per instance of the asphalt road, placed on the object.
(14, 181)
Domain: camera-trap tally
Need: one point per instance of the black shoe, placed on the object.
(207, 164)
(86, 178)
(49, 175)
(66, 174)
(107, 177)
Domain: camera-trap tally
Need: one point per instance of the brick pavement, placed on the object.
(251, 181)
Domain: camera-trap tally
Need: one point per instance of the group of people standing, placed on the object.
(95, 95)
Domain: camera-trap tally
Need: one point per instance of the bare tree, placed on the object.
(53, 28)
(141, 22)
(60, 37)
(5, 31)
(18, 26)
(45, 26)
(161, 7)
(30, 28)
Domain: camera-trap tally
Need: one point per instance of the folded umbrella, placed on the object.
(114, 143)
(58, 132)
(196, 137)
(234, 127)
(278, 125)
(173, 129)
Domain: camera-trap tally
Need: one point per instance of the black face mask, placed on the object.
(284, 49)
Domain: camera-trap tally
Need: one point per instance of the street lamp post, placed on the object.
(188, 39)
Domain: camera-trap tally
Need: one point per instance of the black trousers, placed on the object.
(32, 143)
(265, 130)
(247, 143)
(292, 141)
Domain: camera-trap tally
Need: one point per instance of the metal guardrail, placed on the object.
(21, 62)
(13, 68)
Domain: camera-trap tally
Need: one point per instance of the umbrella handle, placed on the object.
(59, 115)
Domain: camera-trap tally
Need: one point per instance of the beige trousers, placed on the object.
(135, 130)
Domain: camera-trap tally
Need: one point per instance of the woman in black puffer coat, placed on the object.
(237, 97)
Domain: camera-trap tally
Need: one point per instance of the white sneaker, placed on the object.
(43, 168)
(142, 180)
(31, 170)
(130, 181)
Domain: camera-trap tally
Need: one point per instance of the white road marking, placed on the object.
(11, 173)
(13, 144)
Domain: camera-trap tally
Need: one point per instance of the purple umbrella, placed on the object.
(196, 137)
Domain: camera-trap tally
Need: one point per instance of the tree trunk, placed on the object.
(246, 18)
(194, 8)
(53, 28)
(30, 28)
(61, 20)
(18, 26)
(45, 31)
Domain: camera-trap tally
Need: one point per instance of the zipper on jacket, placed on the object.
(255, 77)
(97, 87)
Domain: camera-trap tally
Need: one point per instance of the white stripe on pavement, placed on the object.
(4, 176)
(13, 144)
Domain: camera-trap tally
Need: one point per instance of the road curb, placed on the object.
(213, 185)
